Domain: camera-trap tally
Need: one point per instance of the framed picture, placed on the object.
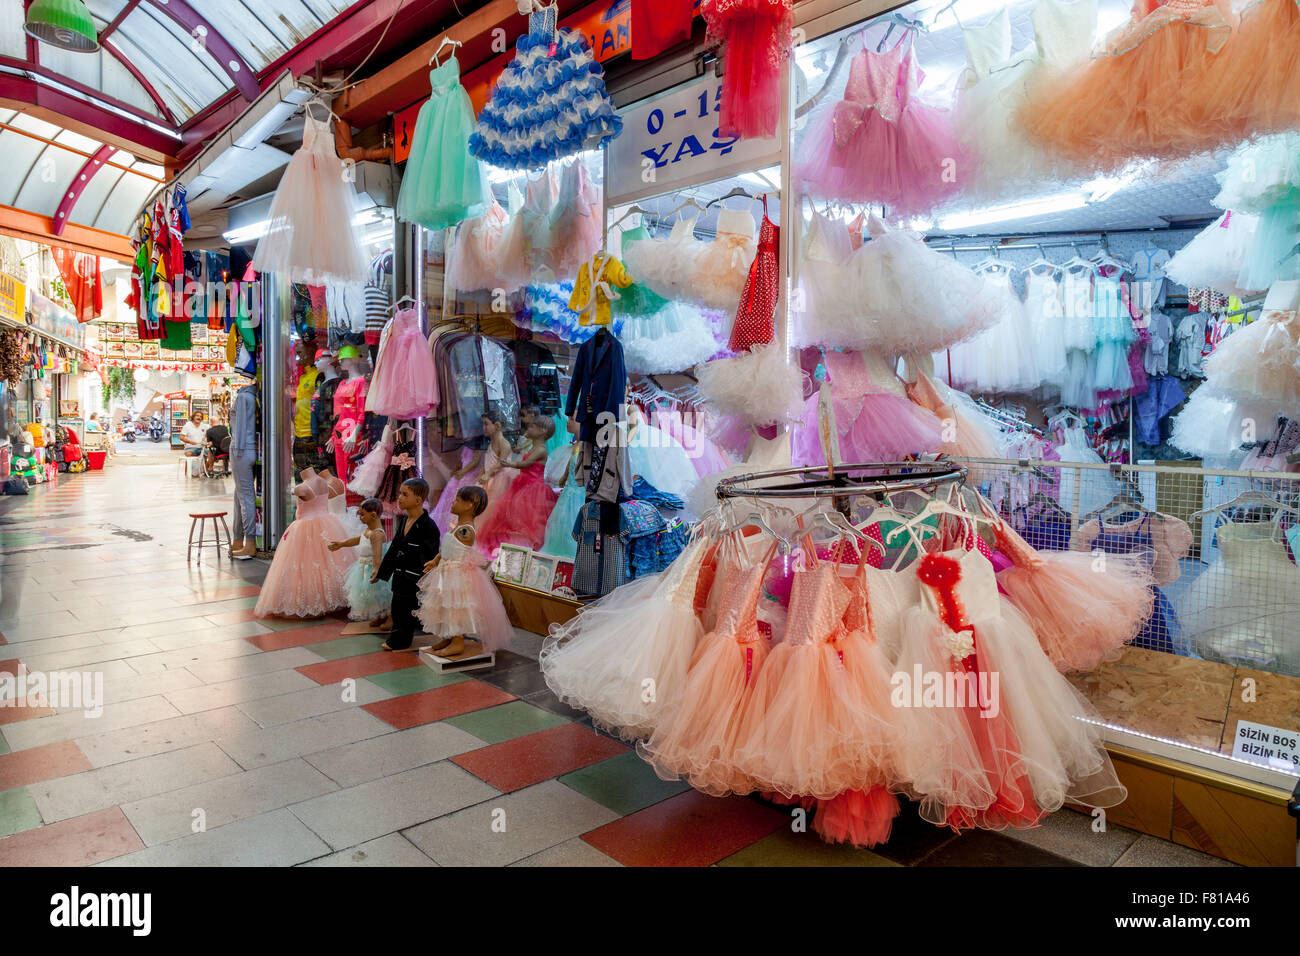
(512, 561)
(540, 572)
(563, 575)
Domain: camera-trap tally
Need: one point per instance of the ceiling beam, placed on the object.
(407, 79)
(63, 215)
(116, 22)
(148, 87)
(348, 28)
(130, 108)
(33, 227)
(227, 57)
(103, 126)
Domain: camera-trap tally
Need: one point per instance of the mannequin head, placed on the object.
(470, 502)
(327, 363)
(413, 494)
(305, 352)
(493, 423)
(354, 363)
(371, 512)
(540, 430)
(527, 413)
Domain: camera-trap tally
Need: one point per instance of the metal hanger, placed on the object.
(757, 520)
(736, 191)
(634, 210)
(398, 304)
(690, 201)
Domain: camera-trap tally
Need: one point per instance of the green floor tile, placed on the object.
(412, 680)
(625, 784)
(282, 623)
(4, 747)
(496, 725)
(342, 647)
(17, 811)
(787, 848)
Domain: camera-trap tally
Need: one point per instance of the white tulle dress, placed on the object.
(625, 658)
(1260, 364)
(309, 233)
(1217, 255)
(1003, 358)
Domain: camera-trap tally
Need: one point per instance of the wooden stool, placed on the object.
(201, 519)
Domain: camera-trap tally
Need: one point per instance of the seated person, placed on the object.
(218, 439)
(193, 435)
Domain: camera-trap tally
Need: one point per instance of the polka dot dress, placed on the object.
(755, 315)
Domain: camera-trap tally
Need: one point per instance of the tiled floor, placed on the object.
(228, 740)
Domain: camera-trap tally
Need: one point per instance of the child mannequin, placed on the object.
(496, 478)
(368, 599)
(457, 598)
(521, 515)
(306, 578)
(414, 544)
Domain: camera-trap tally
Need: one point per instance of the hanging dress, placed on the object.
(309, 233)
(757, 39)
(443, 184)
(550, 102)
(405, 382)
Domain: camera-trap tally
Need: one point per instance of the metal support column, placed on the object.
(277, 411)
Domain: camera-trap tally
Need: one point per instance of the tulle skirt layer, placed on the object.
(521, 515)
(559, 526)
(458, 598)
(1260, 364)
(624, 660)
(1253, 80)
(443, 183)
(1083, 610)
(405, 384)
(876, 427)
(755, 34)
(370, 473)
(310, 237)
(366, 600)
(1093, 116)
(1217, 255)
(673, 339)
(861, 818)
(758, 387)
(306, 578)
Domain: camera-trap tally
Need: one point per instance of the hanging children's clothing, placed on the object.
(754, 323)
(458, 599)
(722, 267)
(306, 578)
(550, 101)
(401, 466)
(559, 539)
(1002, 358)
(405, 382)
(1165, 51)
(309, 233)
(756, 41)
(882, 143)
(819, 308)
(475, 260)
(1258, 364)
(575, 228)
(593, 288)
(443, 184)
(667, 266)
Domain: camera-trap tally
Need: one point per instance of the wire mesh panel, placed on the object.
(1222, 546)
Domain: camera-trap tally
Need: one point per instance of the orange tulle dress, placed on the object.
(306, 578)
(1255, 79)
(1147, 91)
(698, 741)
(1083, 609)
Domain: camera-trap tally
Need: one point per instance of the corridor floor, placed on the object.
(225, 740)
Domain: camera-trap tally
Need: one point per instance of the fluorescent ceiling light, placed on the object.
(102, 104)
(256, 230)
(1019, 210)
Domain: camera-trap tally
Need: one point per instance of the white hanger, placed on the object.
(1251, 496)
(445, 41)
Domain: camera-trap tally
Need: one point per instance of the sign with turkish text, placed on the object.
(672, 141)
(13, 298)
(1272, 746)
(59, 324)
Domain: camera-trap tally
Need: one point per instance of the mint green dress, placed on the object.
(443, 184)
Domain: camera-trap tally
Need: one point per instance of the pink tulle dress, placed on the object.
(475, 260)
(405, 382)
(306, 578)
(873, 424)
(756, 38)
(441, 513)
(882, 143)
(521, 513)
(698, 741)
(1082, 609)
(458, 598)
(576, 228)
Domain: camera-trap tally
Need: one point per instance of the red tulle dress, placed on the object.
(521, 513)
(756, 36)
(755, 322)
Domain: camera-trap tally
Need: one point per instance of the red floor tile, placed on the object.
(22, 767)
(81, 841)
(690, 829)
(411, 710)
(363, 665)
(309, 633)
(10, 714)
(530, 759)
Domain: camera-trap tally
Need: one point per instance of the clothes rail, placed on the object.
(897, 476)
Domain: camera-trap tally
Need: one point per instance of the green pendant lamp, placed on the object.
(66, 24)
